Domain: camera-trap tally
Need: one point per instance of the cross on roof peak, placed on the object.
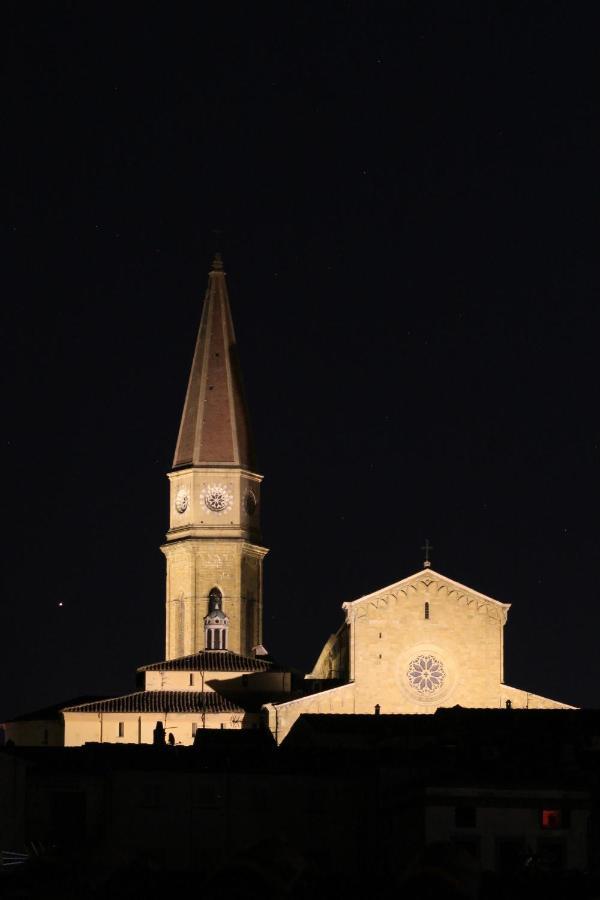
(427, 547)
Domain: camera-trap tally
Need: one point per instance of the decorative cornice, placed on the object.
(434, 584)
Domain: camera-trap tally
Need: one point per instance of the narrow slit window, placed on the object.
(121, 729)
(426, 610)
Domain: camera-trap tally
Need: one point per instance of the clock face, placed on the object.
(182, 499)
(250, 502)
(217, 498)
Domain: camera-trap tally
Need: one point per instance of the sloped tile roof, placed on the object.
(161, 701)
(214, 425)
(213, 661)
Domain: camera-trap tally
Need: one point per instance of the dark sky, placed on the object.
(409, 195)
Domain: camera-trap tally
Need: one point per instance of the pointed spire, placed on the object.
(214, 426)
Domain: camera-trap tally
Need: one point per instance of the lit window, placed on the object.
(552, 818)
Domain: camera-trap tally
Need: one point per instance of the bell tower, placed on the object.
(213, 543)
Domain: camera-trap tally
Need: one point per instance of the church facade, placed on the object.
(422, 643)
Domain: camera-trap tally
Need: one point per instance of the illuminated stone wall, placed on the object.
(213, 547)
(138, 728)
(422, 643)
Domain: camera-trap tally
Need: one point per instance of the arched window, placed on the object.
(215, 599)
(215, 622)
(426, 610)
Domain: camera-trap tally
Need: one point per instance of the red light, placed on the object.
(551, 818)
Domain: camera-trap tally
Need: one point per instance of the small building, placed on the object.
(209, 689)
(42, 727)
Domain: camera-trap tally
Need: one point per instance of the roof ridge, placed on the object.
(160, 701)
(431, 574)
(213, 661)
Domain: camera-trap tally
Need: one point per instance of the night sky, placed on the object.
(409, 201)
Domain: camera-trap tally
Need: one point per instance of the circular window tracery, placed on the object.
(217, 498)
(426, 673)
(182, 500)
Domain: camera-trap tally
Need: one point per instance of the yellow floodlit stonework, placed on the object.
(209, 548)
(419, 644)
(422, 643)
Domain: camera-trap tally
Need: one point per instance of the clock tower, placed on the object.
(213, 544)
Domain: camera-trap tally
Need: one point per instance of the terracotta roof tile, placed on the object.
(161, 701)
(213, 661)
(214, 426)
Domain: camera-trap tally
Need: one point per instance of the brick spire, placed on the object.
(214, 426)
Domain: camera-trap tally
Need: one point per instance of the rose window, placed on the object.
(218, 498)
(426, 674)
(181, 500)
